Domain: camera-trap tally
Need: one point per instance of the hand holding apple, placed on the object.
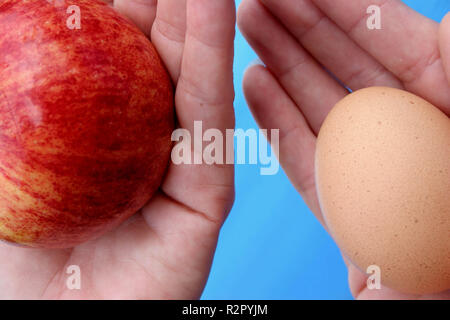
(164, 251)
(86, 122)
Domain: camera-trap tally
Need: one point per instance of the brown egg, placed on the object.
(383, 180)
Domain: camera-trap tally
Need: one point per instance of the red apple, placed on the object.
(86, 117)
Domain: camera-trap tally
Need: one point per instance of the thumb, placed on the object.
(444, 44)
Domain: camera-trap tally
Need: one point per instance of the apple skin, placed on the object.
(86, 117)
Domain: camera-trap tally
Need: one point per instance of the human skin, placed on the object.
(165, 251)
(298, 40)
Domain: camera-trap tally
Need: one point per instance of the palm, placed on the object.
(166, 250)
(298, 40)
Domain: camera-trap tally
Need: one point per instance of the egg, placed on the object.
(383, 182)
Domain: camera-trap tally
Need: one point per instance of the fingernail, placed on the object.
(256, 62)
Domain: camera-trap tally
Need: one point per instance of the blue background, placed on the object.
(272, 247)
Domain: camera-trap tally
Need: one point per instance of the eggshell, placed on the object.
(383, 180)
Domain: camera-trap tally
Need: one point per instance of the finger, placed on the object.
(273, 109)
(141, 12)
(205, 93)
(208, 57)
(205, 90)
(444, 44)
(328, 44)
(297, 72)
(168, 34)
(407, 43)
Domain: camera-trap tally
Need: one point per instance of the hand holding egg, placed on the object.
(383, 155)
